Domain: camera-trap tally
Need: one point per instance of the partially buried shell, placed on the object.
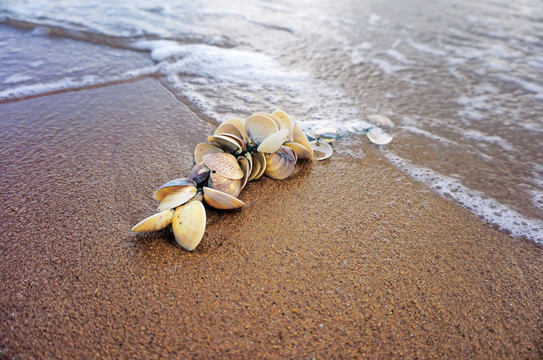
(224, 164)
(321, 150)
(188, 224)
(377, 136)
(171, 186)
(280, 164)
(220, 200)
(155, 222)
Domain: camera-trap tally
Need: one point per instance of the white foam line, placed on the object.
(428, 134)
(67, 84)
(488, 209)
(528, 86)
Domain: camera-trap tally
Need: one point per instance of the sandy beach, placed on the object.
(348, 258)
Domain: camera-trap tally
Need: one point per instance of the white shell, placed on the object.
(284, 120)
(240, 125)
(259, 127)
(227, 143)
(177, 197)
(377, 136)
(155, 222)
(301, 151)
(203, 149)
(220, 200)
(321, 150)
(273, 142)
(172, 186)
(380, 120)
(189, 224)
(299, 137)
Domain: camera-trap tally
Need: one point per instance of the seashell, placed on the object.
(327, 134)
(301, 151)
(377, 136)
(228, 129)
(224, 164)
(189, 224)
(226, 143)
(299, 137)
(321, 150)
(155, 222)
(226, 185)
(256, 167)
(273, 142)
(199, 173)
(203, 149)
(280, 164)
(261, 158)
(259, 126)
(220, 200)
(380, 120)
(246, 165)
(177, 197)
(240, 125)
(171, 186)
(284, 120)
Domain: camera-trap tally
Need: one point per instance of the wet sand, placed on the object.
(347, 258)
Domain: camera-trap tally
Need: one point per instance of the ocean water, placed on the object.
(461, 80)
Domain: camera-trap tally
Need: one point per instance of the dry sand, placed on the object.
(348, 258)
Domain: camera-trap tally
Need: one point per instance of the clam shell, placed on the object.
(255, 168)
(188, 224)
(203, 149)
(246, 165)
(377, 136)
(199, 173)
(230, 129)
(155, 222)
(380, 120)
(321, 150)
(259, 126)
(220, 200)
(273, 142)
(177, 197)
(226, 143)
(301, 151)
(229, 186)
(284, 120)
(171, 186)
(261, 159)
(280, 164)
(240, 125)
(299, 137)
(224, 164)
(327, 134)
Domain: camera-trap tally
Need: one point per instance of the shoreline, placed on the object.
(347, 258)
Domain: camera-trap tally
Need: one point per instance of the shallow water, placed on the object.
(462, 81)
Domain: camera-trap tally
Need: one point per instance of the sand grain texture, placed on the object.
(347, 258)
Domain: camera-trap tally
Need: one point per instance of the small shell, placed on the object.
(246, 165)
(377, 136)
(380, 120)
(226, 143)
(199, 173)
(220, 200)
(299, 137)
(229, 129)
(171, 186)
(280, 164)
(273, 142)
(256, 167)
(301, 151)
(155, 222)
(284, 121)
(321, 150)
(189, 224)
(240, 125)
(177, 197)
(203, 149)
(261, 159)
(327, 134)
(224, 164)
(259, 127)
(228, 186)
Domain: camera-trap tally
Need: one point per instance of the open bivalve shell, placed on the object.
(229, 186)
(284, 120)
(177, 197)
(228, 129)
(299, 137)
(203, 149)
(199, 173)
(224, 164)
(380, 120)
(155, 222)
(280, 164)
(171, 186)
(227, 143)
(301, 151)
(259, 127)
(273, 142)
(377, 136)
(321, 150)
(189, 224)
(240, 125)
(220, 200)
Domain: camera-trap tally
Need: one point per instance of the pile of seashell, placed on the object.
(239, 151)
